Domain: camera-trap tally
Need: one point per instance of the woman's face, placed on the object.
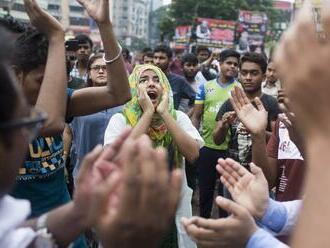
(98, 73)
(153, 86)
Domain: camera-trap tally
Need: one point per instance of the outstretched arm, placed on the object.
(117, 91)
(52, 94)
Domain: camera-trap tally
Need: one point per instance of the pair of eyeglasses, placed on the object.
(30, 126)
(99, 67)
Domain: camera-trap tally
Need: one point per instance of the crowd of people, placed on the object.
(99, 151)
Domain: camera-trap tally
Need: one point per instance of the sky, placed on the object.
(166, 2)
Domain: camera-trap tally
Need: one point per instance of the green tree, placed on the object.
(183, 12)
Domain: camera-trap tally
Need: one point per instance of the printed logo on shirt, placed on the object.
(44, 158)
(287, 149)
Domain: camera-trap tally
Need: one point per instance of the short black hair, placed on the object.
(13, 25)
(203, 48)
(149, 54)
(189, 58)
(31, 50)
(257, 58)
(83, 38)
(164, 49)
(229, 53)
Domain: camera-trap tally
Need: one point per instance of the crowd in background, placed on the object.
(103, 149)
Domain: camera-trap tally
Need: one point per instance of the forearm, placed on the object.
(259, 157)
(117, 76)
(187, 146)
(67, 139)
(195, 121)
(52, 95)
(312, 225)
(142, 126)
(64, 223)
(220, 133)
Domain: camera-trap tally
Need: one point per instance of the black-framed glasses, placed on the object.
(30, 126)
(99, 67)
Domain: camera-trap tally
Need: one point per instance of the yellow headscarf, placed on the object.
(132, 111)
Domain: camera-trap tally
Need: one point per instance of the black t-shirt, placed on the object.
(181, 89)
(240, 144)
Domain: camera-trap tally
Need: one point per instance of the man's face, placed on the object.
(229, 67)
(31, 83)
(190, 69)
(84, 51)
(202, 56)
(271, 74)
(148, 60)
(161, 60)
(251, 76)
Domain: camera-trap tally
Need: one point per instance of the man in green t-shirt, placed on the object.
(209, 98)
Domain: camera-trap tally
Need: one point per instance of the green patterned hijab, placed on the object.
(157, 131)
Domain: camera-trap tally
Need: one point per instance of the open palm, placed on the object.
(97, 9)
(249, 189)
(254, 119)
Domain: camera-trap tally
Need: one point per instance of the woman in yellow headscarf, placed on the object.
(151, 112)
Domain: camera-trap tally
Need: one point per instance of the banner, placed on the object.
(252, 30)
(182, 37)
(215, 33)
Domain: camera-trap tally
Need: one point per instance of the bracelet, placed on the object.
(115, 58)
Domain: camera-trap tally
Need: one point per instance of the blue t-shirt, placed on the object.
(88, 131)
(41, 178)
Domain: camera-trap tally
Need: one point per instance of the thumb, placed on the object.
(257, 171)
(230, 206)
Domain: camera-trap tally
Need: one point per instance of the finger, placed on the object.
(200, 234)
(235, 166)
(88, 162)
(234, 100)
(242, 96)
(259, 104)
(209, 224)
(257, 171)
(112, 150)
(229, 170)
(229, 178)
(131, 189)
(226, 183)
(230, 206)
(102, 193)
(162, 167)
(174, 193)
(149, 176)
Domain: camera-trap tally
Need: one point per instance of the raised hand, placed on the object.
(147, 198)
(162, 107)
(300, 46)
(98, 179)
(42, 20)
(229, 117)
(233, 231)
(97, 9)
(144, 100)
(248, 189)
(254, 119)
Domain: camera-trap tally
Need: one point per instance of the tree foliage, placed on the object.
(183, 12)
